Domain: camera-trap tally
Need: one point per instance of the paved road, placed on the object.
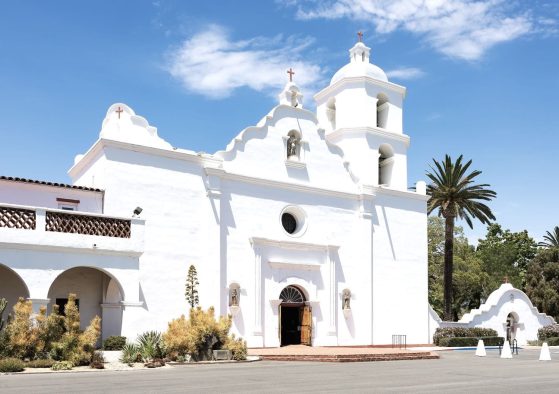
(455, 372)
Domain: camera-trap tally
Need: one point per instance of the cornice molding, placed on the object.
(338, 134)
(203, 159)
(294, 245)
(288, 186)
(327, 91)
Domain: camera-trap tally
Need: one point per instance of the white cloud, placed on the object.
(405, 73)
(211, 64)
(463, 29)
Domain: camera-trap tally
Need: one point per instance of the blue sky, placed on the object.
(482, 79)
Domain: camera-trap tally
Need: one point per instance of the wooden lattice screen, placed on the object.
(17, 218)
(89, 225)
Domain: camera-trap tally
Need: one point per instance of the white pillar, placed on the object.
(257, 292)
(38, 303)
(332, 277)
(111, 319)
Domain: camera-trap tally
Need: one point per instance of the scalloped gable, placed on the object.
(492, 302)
(260, 151)
(122, 124)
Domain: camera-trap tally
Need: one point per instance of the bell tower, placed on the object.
(361, 112)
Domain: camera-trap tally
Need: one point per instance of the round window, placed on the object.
(289, 222)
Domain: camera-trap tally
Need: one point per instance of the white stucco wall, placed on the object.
(37, 195)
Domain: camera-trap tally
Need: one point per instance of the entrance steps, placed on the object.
(340, 354)
(355, 358)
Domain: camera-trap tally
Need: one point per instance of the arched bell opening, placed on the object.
(295, 317)
(385, 164)
(382, 110)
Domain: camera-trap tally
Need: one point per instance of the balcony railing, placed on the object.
(88, 225)
(18, 218)
(62, 222)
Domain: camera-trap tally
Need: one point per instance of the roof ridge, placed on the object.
(47, 183)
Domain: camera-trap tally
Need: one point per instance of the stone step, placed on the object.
(353, 357)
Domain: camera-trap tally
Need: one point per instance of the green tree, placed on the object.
(192, 287)
(551, 239)
(453, 194)
(505, 254)
(542, 281)
(469, 279)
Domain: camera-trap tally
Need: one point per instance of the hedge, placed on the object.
(11, 365)
(552, 341)
(462, 332)
(546, 332)
(471, 341)
(46, 363)
(114, 342)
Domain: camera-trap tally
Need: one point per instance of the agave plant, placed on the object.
(130, 354)
(150, 346)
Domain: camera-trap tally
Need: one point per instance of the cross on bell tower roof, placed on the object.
(291, 73)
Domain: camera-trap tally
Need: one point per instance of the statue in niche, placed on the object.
(346, 298)
(234, 297)
(292, 146)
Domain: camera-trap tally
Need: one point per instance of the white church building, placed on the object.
(304, 228)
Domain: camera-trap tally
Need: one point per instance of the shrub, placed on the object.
(130, 354)
(62, 366)
(238, 348)
(3, 304)
(4, 344)
(46, 363)
(177, 339)
(471, 341)
(197, 336)
(53, 336)
(97, 361)
(114, 342)
(548, 332)
(552, 341)
(11, 365)
(22, 337)
(76, 346)
(460, 332)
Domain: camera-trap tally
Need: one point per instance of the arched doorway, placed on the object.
(97, 294)
(511, 325)
(11, 288)
(295, 317)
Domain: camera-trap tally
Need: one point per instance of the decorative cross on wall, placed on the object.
(119, 111)
(360, 36)
(290, 72)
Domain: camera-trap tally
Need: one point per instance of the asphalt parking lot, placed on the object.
(454, 372)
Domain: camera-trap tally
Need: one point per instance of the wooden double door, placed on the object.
(295, 324)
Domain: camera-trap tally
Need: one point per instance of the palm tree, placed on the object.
(551, 239)
(453, 193)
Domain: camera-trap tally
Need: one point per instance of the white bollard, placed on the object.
(480, 350)
(544, 354)
(506, 353)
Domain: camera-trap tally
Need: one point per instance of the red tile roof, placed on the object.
(25, 180)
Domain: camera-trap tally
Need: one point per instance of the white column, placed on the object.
(332, 277)
(257, 291)
(38, 303)
(111, 319)
(40, 219)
